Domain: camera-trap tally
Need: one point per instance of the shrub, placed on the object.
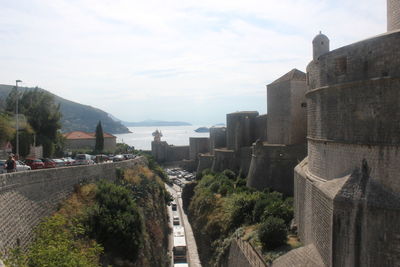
(221, 185)
(280, 209)
(206, 172)
(230, 174)
(55, 245)
(115, 221)
(240, 208)
(272, 233)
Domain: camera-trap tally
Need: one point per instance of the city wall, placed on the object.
(163, 152)
(242, 254)
(272, 166)
(27, 197)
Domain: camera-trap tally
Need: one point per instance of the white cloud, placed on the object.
(109, 53)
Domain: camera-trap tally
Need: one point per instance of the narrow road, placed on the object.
(193, 256)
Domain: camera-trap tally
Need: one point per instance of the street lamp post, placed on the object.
(16, 111)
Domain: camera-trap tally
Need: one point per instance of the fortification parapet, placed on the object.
(351, 111)
(240, 127)
(371, 59)
(163, 152)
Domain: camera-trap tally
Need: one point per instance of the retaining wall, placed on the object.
(242, 254)
(27, 197)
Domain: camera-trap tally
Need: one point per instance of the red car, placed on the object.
(34, 163)
(48, 163)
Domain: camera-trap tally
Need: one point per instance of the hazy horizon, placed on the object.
(182, 61)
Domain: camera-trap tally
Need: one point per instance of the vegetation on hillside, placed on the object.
(121, 223)
(75, 116)
(222, 207)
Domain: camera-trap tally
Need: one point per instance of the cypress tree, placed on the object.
(99, 138)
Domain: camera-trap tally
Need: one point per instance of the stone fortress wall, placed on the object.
(198, 145)
(242, 130)
(345, 113)
(347, 191)
(393, 15)
(283, 147)
(217, 138)
(27, 197)
(163, 152)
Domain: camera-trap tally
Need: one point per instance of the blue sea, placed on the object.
(141, 137)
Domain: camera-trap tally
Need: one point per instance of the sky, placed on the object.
(177, 60)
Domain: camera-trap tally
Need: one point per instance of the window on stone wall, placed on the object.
(340, 65)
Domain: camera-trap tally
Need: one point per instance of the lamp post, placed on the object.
(16, 111)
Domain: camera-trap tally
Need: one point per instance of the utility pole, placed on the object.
(16, 111)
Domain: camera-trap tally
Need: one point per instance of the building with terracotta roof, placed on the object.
(83, 140)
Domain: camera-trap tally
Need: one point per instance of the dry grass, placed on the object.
(75, 205)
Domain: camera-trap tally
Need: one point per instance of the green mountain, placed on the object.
(155, 123)
(75, 116)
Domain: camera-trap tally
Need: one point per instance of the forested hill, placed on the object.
(75, 116)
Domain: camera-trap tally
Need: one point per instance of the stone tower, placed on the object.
(273, 160)
(393, 15)
(321, 45)
(347, 190)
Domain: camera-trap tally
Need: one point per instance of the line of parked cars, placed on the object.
(80, 159)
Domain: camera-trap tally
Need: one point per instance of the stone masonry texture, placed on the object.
(27, 197)
(393, 15)
(347, 191)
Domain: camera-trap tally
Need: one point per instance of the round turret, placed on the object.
(320, 45)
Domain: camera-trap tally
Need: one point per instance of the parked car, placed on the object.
(59, 162)
(129, 156)
(69, 161)
(2, 166)
(48, 163)
(118, 158)
(21, 166)
(83, 159)
(34, 163)
(101, 158)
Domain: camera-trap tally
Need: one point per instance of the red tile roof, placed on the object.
(85, 135)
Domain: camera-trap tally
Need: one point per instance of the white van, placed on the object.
(83, 159)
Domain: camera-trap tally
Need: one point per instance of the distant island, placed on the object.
(202, 130)
(148, 123)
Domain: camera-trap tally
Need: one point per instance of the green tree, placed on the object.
(272, 233)
(115, 221)
(99, 146)
(42, 114)
(7, 131)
